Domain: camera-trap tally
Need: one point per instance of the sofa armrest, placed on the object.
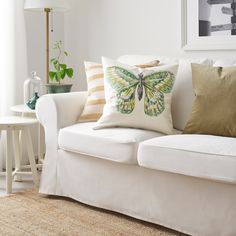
(55, 112)
(60, 109)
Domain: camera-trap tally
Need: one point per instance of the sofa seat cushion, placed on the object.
(115, 144)
(203, 156)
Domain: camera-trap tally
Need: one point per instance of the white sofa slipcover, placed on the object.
(187, 202)
(116, 144)
(203, 156)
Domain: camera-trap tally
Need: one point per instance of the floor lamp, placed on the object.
(48, 6)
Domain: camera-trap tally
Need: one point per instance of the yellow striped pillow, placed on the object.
(96, 98)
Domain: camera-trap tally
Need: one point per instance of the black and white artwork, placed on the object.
(217, 17)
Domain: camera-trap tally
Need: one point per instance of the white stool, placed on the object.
(16, 126)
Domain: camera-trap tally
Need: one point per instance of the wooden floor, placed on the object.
(26, 183)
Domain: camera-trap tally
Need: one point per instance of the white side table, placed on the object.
(13, 125)
(25, 111)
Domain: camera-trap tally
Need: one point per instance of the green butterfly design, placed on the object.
(154, 86)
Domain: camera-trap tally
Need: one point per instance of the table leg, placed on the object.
(17, 152)
(31, 155)
(8, 163)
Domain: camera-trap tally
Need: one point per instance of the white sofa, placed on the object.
(184, 182)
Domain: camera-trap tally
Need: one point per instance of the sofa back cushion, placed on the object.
(183, 94)
(143, 59)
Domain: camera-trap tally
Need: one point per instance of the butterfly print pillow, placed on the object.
(138, 98)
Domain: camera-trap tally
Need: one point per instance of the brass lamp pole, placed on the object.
(47, 6)
(47, 12)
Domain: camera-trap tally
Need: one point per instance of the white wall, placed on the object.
(77, 25)
(94, 28)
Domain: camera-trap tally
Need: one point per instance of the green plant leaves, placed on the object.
(61, 70)
(63, 66)
(69, 72)
(52, 74)
(62, 74)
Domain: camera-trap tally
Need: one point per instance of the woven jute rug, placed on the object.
(32, 214)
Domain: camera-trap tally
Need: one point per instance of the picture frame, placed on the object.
(191, 30)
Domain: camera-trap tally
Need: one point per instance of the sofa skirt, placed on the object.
(187, 204)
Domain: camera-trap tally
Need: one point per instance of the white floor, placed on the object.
(26, 183)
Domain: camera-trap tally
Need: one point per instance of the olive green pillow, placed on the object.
(214, 108)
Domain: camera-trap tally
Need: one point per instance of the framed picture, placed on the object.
(209, 24)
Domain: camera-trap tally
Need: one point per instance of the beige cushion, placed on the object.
(138, 98)
(118, 144)
(214, 110)
(148, 64)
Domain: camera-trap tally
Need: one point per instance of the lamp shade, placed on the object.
(39, 5)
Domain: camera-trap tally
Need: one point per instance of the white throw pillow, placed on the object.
(137, 98)
(96, 97)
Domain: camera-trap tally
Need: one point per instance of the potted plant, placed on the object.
(60, 72)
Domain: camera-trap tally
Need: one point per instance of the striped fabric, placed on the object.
(96, 98)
